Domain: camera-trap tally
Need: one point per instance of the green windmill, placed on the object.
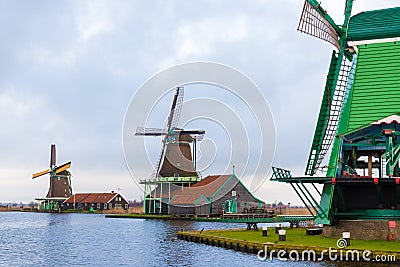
(359, 119)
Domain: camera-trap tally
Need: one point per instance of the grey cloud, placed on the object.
(68, 70)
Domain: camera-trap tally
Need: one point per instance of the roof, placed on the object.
(206, 187)
(389, 120)
(91, 198)
(375, 24)
(373, 129)
(211, 178)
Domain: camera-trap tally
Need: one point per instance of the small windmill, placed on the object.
(175, 158)
(60, 181)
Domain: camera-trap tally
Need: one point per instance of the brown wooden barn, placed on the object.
(214, 194)
(96, 201)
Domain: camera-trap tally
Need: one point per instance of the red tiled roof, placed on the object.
(207, 187)
(91, 198)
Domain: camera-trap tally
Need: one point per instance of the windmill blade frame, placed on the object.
(191, 132)
(63, 167)
(316, 22)
(198, 137)
(178, 108)
(173, 120)
(330, 111)
(160, 158)
(36, 175)
(142, 131)
(174, 114)
(333, 99)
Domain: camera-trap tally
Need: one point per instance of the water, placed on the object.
(41, 239)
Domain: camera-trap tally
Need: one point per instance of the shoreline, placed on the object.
(81, 211)
(211, 238)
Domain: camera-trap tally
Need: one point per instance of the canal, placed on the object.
(41, 239)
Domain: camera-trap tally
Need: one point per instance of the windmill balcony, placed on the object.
(171, 180)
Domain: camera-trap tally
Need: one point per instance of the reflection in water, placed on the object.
(41, 239)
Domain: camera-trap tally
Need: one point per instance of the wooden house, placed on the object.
(96, 201)
(214, 194)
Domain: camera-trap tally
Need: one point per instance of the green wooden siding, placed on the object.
(375, 24)
(376, 89)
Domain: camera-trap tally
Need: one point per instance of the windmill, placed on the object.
(60, 182)
(176, 164)
(359, 120)
(175, 159)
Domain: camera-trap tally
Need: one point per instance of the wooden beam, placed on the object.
(370, 165)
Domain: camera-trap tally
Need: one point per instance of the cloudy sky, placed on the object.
(69, 69)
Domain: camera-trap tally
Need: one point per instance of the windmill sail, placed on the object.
(175, 158)
(178, 107)
(315, 22)
(330, 111)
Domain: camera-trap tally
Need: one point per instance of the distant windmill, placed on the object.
(175, 159)
(60, 179)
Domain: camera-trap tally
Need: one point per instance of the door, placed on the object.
(231, 206)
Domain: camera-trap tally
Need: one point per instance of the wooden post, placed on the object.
(370, 165)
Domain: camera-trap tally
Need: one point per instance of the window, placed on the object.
(79, 205)
(110, 205)
(98, 206)
(105, 206)
(126, 206)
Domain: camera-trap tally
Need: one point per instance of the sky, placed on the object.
(69, 70)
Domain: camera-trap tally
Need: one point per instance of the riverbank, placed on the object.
(297, 243)
(249, 219)
(112, 211)
(149, 216)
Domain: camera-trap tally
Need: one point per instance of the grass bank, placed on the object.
(298, 246)
(298, 237)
